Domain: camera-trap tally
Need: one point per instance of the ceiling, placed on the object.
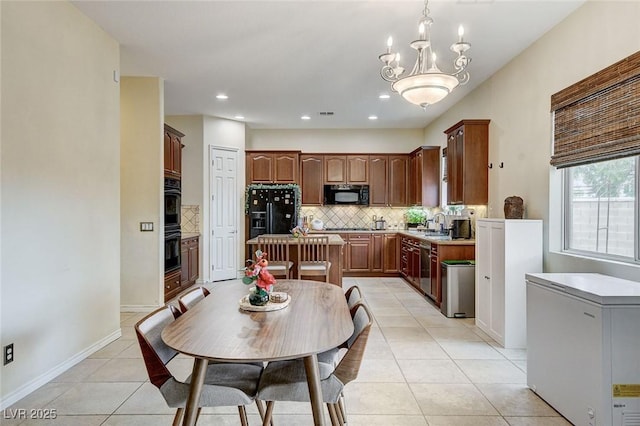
(279, 60)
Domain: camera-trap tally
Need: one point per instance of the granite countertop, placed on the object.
(187, 235)
(431, 238)
(334, 238)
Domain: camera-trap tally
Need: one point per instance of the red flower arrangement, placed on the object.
(256, 271)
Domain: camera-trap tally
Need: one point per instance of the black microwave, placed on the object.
(346, 195)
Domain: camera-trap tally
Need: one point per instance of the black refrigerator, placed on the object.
(272, 210)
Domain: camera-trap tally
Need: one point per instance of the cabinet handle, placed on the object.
(168, 286)
(486, 277)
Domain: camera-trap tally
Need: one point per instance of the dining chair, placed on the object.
(190, 298)
(226, 384)
(287, 380)
(313, 256)
(277, 249)
(353, 295)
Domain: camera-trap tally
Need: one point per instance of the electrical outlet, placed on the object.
(8, 353)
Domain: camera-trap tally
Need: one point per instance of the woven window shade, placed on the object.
(598, 118)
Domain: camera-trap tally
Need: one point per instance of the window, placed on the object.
(601, 209)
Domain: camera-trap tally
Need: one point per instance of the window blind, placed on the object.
(598, 118)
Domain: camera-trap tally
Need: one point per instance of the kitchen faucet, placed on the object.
(443, 225)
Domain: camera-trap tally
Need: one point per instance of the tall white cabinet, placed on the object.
(506, 249)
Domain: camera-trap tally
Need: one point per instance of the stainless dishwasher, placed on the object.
(458, 288)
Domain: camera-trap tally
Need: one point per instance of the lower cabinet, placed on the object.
(410, 260)
(358, 253)
(180, 279)
(371, 253)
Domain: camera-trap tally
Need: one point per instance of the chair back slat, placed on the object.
(277, 249)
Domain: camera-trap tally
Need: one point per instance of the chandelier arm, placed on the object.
(388, 74)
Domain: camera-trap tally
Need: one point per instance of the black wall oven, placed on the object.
(172, 234)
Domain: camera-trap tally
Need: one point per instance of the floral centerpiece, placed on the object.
(256, 272)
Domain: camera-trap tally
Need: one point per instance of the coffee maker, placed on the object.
(461, 229)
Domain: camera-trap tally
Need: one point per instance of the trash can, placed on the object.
(458, 288)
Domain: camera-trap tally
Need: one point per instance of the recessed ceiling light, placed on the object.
(373, 117)
(384, 96)
(239, 117)
(305, 117)
(222, 96)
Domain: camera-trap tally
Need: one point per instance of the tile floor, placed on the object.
(420, 368)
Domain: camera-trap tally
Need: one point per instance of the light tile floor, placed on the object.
(420, 368)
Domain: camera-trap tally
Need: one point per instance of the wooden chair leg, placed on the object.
(178, 418)
(342, 408)
(261, 411)
(332, 415)
(267, 416)
(339, 413)
(243, 415)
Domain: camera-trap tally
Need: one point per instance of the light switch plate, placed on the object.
(146, 226)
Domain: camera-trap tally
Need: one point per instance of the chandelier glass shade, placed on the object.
(425, 84)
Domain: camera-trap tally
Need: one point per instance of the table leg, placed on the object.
(315, 391)
(197, 380)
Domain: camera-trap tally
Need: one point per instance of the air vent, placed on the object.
(326, 113)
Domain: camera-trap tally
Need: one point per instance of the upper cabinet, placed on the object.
(352, 169)
(388, 176)
(172, 152)
(272, 166)
(424, 184)
(311, 167)
(467, 162)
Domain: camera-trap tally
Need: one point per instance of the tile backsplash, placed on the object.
(362, 217)
(190, 220)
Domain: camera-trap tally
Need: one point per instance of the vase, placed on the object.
(258, 297)
(513, 207)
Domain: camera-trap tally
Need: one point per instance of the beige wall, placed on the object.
(142, 189)
(331, 140)
(517, 100)
(60, 207)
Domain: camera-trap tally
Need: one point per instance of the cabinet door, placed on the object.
(286, 168)
(171, 285)
(404, 257)
(416, 179)
(391, 253)
(359, 253)
(358, 169)
(431, 177)
(335, 169)
(184, 262)
(260, 167)
(415, 266)
(377, 252)
(397, 182)
(496, 279)
(194, 260)
(455, 178)
(483, 274)
(378, 180)
(345, 253)
(176, 154)
(434, 270)
(311, 180)
(167, 153)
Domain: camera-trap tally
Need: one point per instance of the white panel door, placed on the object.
(223, 214)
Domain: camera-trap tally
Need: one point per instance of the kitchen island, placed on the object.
(336, 249)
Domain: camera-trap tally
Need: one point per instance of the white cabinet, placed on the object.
(506, 249)
(583, 345)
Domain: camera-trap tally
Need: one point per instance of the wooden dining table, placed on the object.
(316, 319)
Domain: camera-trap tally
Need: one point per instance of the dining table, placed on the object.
(315, 319)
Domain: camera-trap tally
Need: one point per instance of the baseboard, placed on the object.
(45, 378)
(138, 308)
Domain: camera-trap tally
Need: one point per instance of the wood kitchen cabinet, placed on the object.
(311, 179)
(388, 176)
(359, 255)
(272, 166)
(410, 260)
(172, 152)
(424, 183)
(348, 169)
(440, 252)
(172, 284)
(468, 162)
(190, 261)
(390, 253)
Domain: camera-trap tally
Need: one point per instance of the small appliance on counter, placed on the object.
(380, 224)
(317, 225)
(461, 229)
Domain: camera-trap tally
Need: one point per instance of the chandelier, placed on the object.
(426, 84)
